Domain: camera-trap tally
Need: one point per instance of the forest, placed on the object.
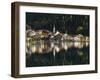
(64, 23)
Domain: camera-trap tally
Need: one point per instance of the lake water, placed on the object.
(55, 53)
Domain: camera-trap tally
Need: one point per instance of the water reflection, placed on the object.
(52, 53)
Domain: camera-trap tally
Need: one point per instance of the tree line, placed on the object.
(64, 23)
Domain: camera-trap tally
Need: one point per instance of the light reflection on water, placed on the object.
(52, 53)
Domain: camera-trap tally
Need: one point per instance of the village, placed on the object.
(33, 35)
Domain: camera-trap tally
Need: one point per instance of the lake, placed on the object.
(56, 53)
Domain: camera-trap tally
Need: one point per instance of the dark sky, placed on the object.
(72, 24)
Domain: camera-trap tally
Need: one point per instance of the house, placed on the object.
(58, 36)
(78, 37)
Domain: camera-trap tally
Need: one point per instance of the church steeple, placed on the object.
(54, 29)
